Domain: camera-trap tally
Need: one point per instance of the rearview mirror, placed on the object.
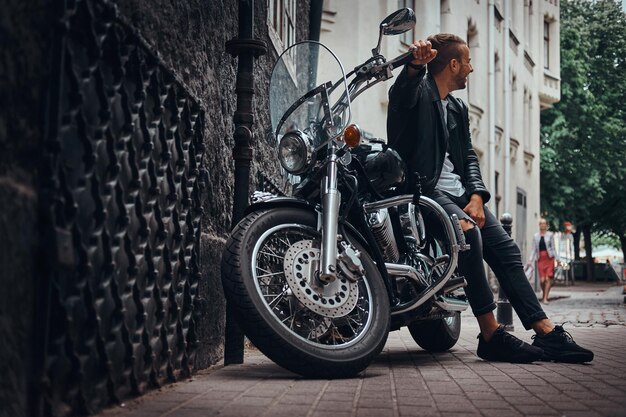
(396, 23)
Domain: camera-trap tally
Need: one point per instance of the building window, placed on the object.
(407, 37)
(281, 20)
(546, 44)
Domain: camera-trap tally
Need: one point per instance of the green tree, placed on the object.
(583, 155)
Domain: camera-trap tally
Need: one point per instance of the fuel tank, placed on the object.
(385, 168)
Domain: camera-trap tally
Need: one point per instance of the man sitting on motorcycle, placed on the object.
(430, 130)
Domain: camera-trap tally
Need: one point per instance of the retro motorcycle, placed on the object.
(319, 278)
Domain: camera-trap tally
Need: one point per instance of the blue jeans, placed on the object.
(496, 247)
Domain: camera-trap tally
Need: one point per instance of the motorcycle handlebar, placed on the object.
(401, 60)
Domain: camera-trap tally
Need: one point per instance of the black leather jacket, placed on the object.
(415, 129)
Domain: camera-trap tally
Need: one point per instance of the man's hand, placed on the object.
(476, 210)
(423, 52)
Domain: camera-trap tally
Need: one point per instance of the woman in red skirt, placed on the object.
(544, 254)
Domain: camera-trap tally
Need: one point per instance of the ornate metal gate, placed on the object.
(121, 199)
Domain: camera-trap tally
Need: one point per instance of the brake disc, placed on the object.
(334, 299)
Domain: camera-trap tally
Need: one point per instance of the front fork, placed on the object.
(331, 199)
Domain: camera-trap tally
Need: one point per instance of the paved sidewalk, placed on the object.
(407, 381)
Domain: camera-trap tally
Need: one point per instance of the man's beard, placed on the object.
(461, 83)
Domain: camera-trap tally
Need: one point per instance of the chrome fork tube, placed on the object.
(331, 198)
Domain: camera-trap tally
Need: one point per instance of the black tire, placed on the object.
(327, 350)
(437, 335)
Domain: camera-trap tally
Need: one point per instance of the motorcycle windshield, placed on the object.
(308, 93)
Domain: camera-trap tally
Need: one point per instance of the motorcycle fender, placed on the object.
(274, 202)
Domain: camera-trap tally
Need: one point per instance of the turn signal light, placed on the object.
(352, 136)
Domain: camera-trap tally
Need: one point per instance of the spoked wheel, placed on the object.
(437, 335)
(314, 329)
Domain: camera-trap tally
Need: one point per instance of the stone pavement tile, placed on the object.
(220, 395)
(457, 407)
(584, 413)
(407, 381)
(236, 410)
(117, 411)
(383, 393)
(171, 396)
(343, 385)
(512, 392)
(462, 374)
(482, 404)
(265, 392)
(415, 401)
(530, 380)
(304, 385)
(436, 375)
(493, 412)
(375, 412)
(154, 405)
(619, 399)
(452, 403)
(444, 388)
(204, 403)
(611, 412)
(378, 385)
(338, 406)
(298, 399)
(583, 396)
(365, 402)
(487, 396)
(570, 405)
(254, 401)
(460, 414)
(282, 410)
(517, 400)
(486, 370)
(475, 386)
(536, 409)
(417, 411)
(569, 387)
(338, 396)
(615, 381)
(542, 389)
(329, 414)
(603, 402)
(195, 412)
(608, 390)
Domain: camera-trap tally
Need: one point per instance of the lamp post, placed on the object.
(246, 49)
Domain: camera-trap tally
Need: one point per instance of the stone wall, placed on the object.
(24, 47)
(189, 37)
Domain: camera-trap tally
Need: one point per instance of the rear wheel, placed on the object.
(313, 329)
(437, 335)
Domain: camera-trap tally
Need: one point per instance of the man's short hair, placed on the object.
(448, 47)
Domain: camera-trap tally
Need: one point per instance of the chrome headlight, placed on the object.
(294, 151)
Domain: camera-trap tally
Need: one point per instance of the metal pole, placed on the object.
(246, 49)
(505, 313)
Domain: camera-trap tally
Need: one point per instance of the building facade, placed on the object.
(514, 47)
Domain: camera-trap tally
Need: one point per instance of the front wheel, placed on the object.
(437, 335)
(316, 330)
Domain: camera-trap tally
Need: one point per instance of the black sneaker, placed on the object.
(559, 346)
(504, 347)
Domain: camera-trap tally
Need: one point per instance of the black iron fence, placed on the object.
(121, 209)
